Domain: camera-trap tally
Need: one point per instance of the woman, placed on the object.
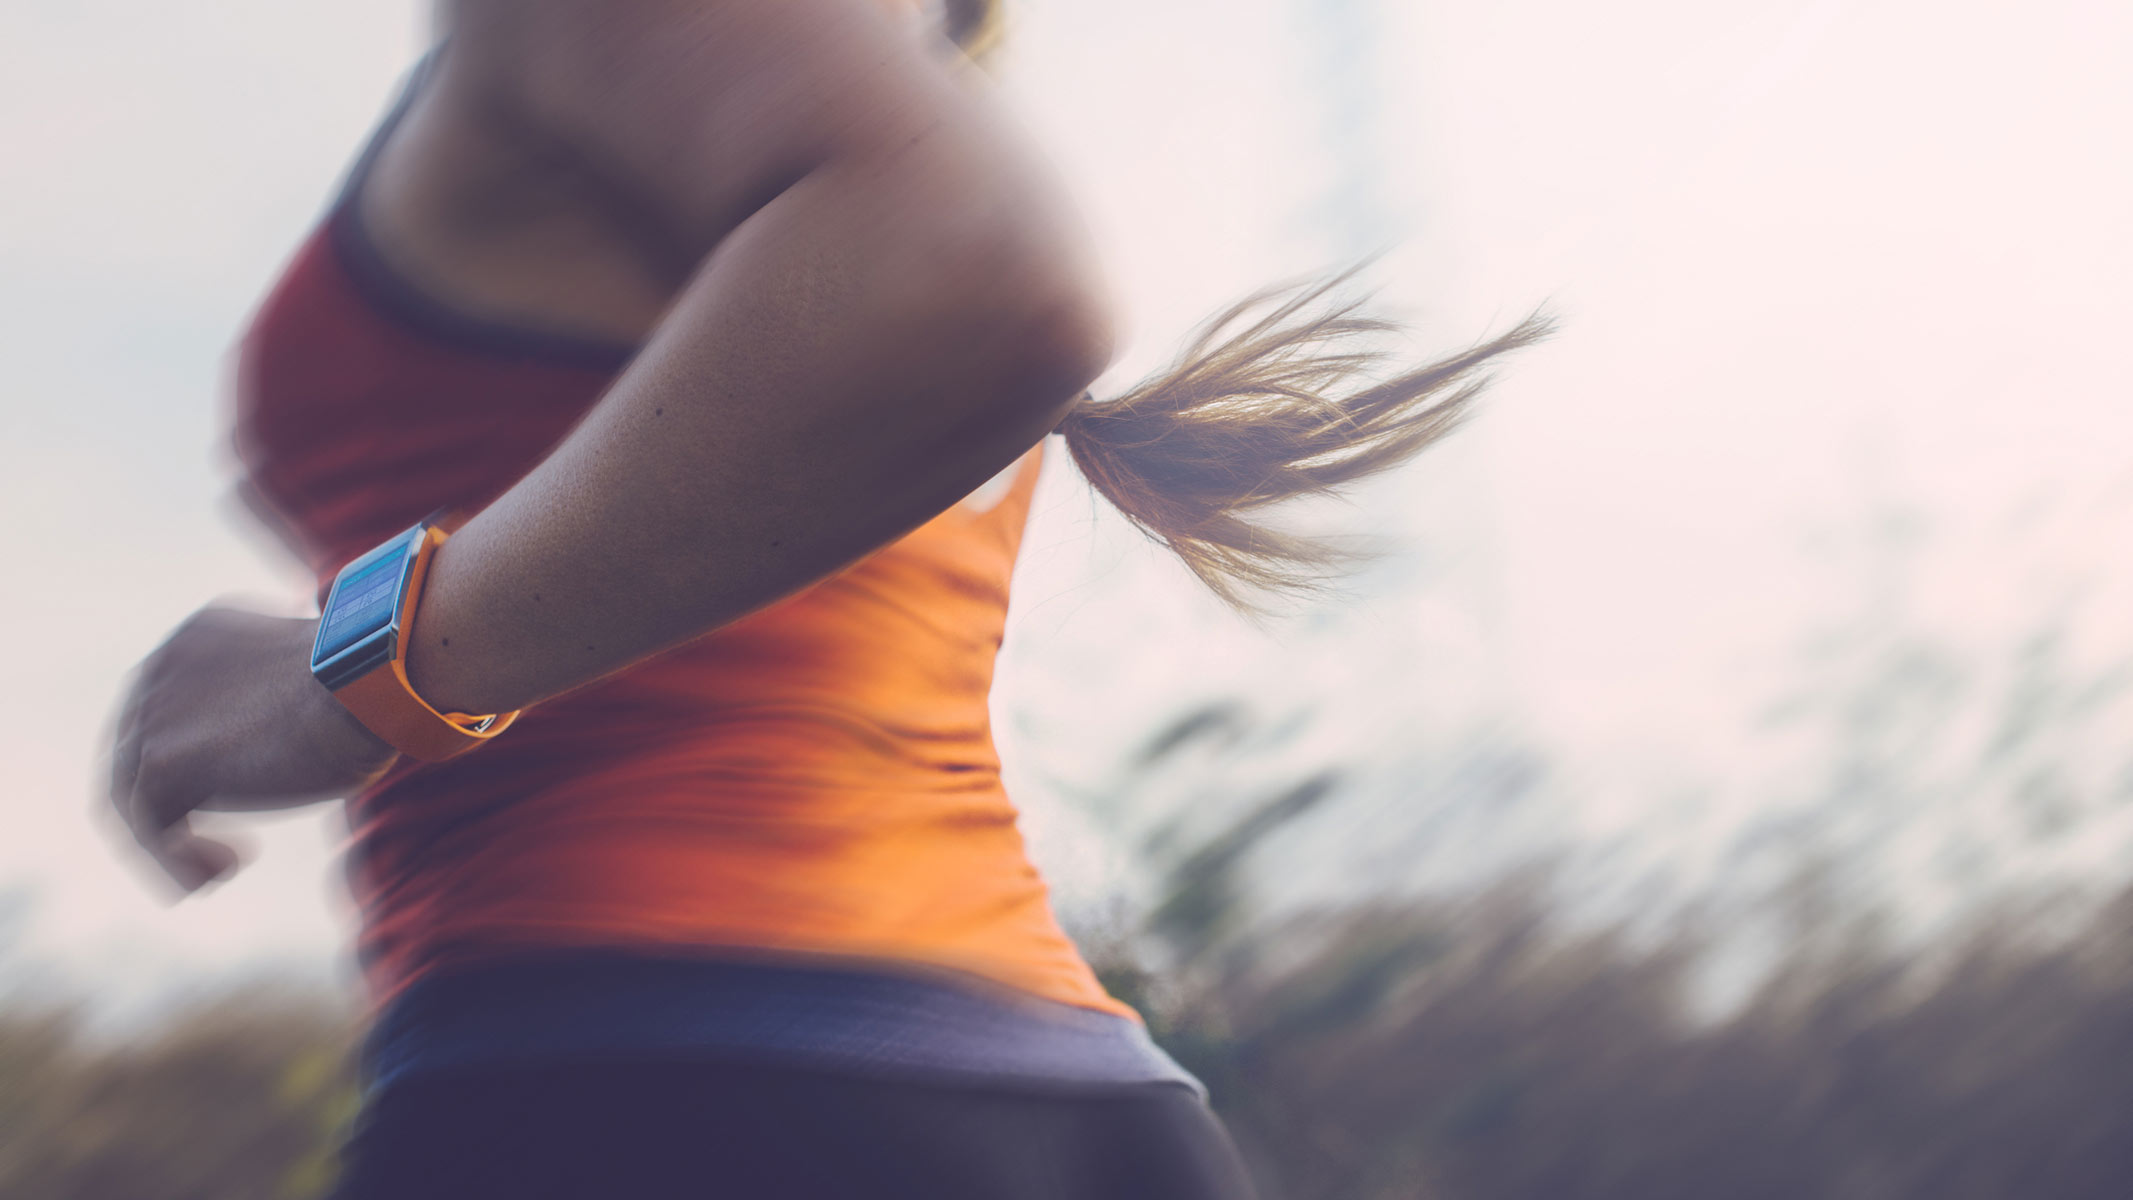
(726, 335)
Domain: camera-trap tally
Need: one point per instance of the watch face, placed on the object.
(362, 602)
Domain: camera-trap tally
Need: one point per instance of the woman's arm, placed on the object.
(880, 304)
(889, 304)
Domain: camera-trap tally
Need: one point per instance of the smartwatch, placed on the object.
(364, 632)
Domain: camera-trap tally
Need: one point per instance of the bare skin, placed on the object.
(842, 265)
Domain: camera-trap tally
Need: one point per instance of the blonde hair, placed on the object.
(1271, 400)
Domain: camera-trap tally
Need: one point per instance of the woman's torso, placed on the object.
(812, 786)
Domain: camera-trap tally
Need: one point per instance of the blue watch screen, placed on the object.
(363, 602)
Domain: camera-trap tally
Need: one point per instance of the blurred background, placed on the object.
(1724, 787)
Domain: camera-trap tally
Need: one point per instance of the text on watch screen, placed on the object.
(363, 603)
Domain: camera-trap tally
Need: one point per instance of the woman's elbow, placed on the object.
(1068, 333)
(1031, 321)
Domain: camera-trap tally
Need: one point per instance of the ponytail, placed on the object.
(1269, 403)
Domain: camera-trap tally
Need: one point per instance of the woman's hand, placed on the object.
(225, 715)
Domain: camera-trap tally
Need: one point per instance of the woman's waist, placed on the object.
(695, 833)
(675, 849)
(965, 899)
(884, 1018)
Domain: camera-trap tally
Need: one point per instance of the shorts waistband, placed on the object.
(587, 1005)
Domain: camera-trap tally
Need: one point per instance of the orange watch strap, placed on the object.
(385, 701)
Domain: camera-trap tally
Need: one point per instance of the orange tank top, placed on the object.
(813, 783)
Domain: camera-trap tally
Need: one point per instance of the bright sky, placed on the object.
(1814, 257)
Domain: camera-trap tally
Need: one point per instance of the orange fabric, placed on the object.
(816, 779)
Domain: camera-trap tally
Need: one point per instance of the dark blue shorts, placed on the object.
(638, 1130)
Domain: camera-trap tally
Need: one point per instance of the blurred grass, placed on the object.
(1463, 1049)
(242, 1096)
(1481, 1048)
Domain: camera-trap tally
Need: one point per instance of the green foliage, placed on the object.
(241, 1098)
(1483, 1050)
(1207, 899)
